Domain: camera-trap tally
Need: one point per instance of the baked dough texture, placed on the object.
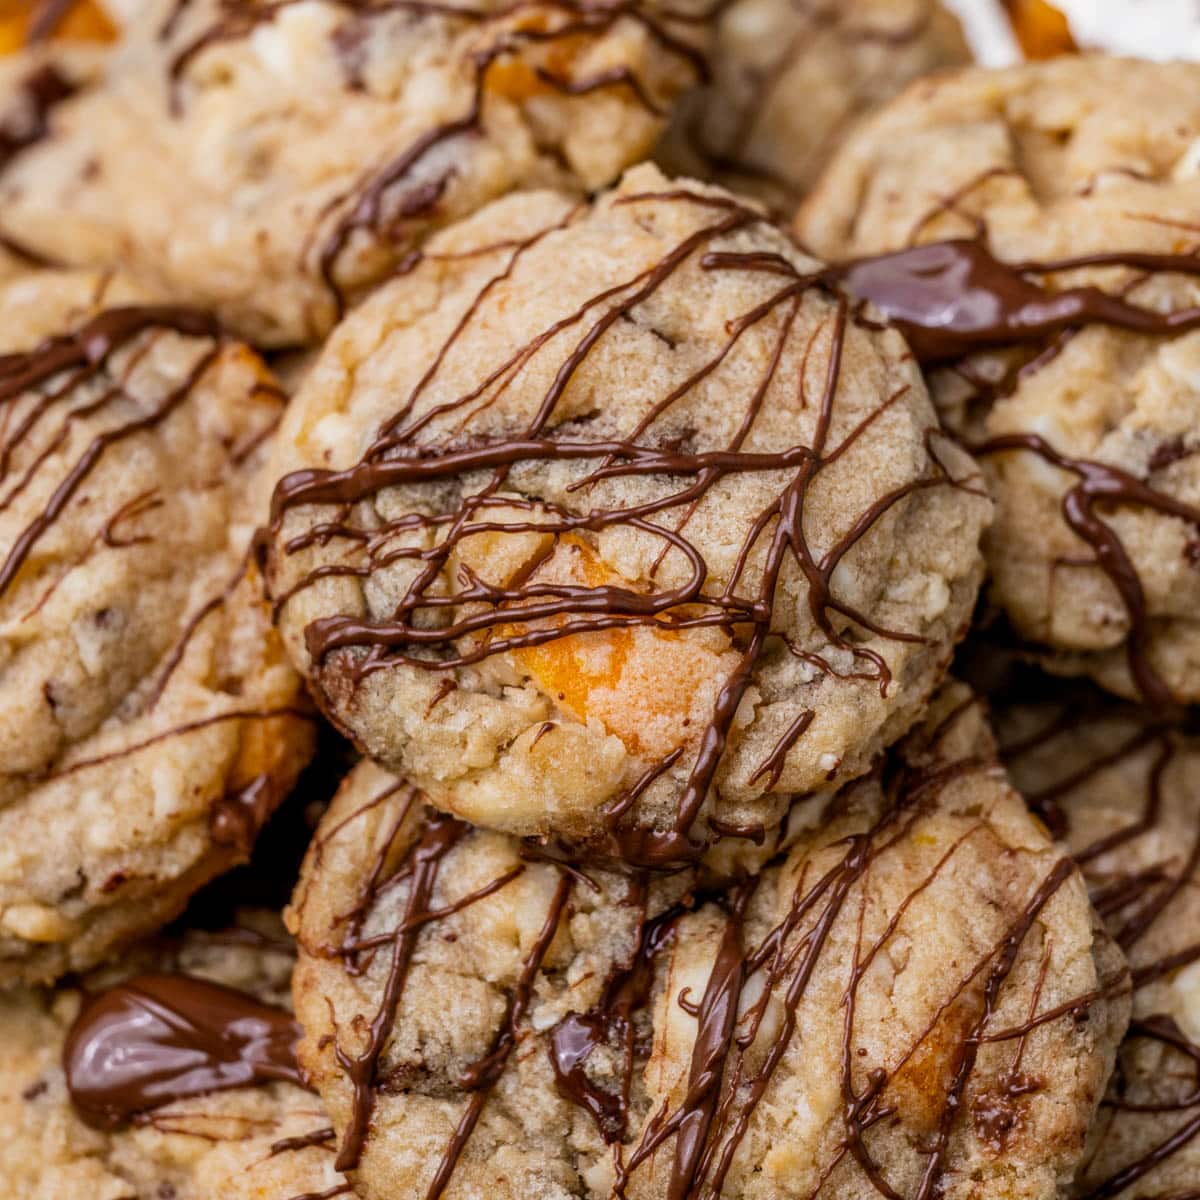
(790, 81)
(1091, 428)
(1123, 792)
(917, 995)
(269, 161)
(611, 523)
(149, 718)
(230, 1144)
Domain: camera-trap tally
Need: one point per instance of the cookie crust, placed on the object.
(612, 524)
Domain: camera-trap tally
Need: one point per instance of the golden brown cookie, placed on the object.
(1124, 794)
(1033, 232)
(270, 161)
(611, 523)
(915, 997)
(149, 719)
(204, 1010)
(790, 80)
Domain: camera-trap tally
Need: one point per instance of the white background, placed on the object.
(1147, 28)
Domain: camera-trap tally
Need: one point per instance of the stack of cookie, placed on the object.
(680, 681)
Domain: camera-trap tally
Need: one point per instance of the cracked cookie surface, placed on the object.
(611, 523)
(149, 719)
(917, 992)
(1037, 184)
(269, 161)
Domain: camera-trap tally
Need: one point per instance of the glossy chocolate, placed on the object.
(239, 814)
(162, 1038)
(693, 1137)
(952, 299)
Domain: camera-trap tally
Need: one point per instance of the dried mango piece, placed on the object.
(1042, 31)
(645, 685)
(22, 22)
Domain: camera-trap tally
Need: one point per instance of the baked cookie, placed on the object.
(149, 719)
(611, 522)
(791, 78)
(1034, 235)
(1124, 794)
(210, 1011)
(914, 1000)
(33, 84)
(269, 161)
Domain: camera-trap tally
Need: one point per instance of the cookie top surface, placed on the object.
(263, 1139)
(1082, 401)
(268, 161)
(610, 521)
(891, 1001)
(149, 719)
(790, 81)
(33, 83)
(1124, 793)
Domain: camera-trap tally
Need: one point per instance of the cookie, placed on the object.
(149, 719)
(916, 999)
(1123, 791)
(1032, 233)
(270, 161)
(33, 84)
(790, 81)
(611, 523)
(208, 1011)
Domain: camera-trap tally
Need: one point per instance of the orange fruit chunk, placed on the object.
(649, 687)
(22, 21)
(1042, 31)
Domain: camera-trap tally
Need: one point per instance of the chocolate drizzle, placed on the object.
(237, 818)
(438, 837)
(739, 1044)
(609, 1024)
(1102, 485)
(79, 357)
(1134, 900)
(162, 1038)
(425, 633)
(390, 197)
(952, 299)
(38, 94)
